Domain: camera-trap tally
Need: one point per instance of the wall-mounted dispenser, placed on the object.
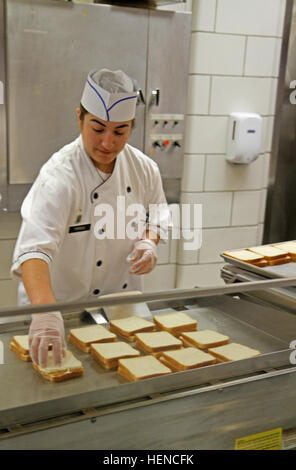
(244, 137)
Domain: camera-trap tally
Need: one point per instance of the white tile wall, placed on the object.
(198, 94)
(252, 17)
(163, 277)
(266, 170)
(263, 56)
(217, 54)
(260, 234)
(202, 275)
(216, 207)
(246, 208)
(205, 134)
(244, 94)
(269, 133)
(223, 176)
(217, 240)
(262, 205)
(203, 15)
(193, 173)
(163, 253)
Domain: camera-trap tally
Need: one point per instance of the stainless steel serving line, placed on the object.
(205, 408)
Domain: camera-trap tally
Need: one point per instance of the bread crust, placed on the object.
(198, 358)
(19, 353)
(86, 347)
(202, 344)
(111, 363)
(124, 371)
(59, 376)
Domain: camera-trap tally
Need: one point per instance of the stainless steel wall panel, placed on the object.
(280, 221)
(51, 47)
(3, 137)
(167, 70)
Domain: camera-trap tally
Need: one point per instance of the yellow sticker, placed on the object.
(268, 440)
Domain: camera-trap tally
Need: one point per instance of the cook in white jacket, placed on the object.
(65, 251)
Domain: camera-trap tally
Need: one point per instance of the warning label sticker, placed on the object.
(268, 440)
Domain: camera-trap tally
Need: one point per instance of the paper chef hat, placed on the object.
(110, 95)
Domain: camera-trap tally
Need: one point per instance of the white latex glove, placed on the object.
(143, 257)
(46, 329)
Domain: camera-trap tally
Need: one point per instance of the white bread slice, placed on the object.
(204, 339)
(83, 337)
(188, 358)
(22, 355)
(233, 352)
(268, 251)
(247, 257)
(70, 367)
(175, 322)
(288, 247)
(22, 343)
(108, 354)
(127, 327)
(140, 368)
(157, 342)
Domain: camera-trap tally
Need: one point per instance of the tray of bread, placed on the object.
(130, 357)
(272, 261)
(136, 348)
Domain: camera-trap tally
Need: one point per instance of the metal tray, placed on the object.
(281, 270)
(26, 397)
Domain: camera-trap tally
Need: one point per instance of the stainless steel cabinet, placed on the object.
(50, 46)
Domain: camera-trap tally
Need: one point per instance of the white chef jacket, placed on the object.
(59, 222)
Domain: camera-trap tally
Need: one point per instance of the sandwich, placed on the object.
(233, 352)
(157, 342)
(69, 368)
(108, 354)
(204, 339)
(83, 337)
(129, 326)
(140, 368)
(247, 257)
(188, 358)
(175, 323)
(20, 345)
(272, 255)
(289, 247)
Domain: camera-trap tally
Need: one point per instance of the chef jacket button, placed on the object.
(96, 195)
(99, 263)
(124, 286)
(96, 291)
(128, 189)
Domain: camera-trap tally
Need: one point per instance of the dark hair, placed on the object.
(83, 112)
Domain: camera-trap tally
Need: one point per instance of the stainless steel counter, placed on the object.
(38, 414)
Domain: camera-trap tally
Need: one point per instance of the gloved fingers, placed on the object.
(57, 351)
(134, 256)
(34, 346)
(43, 350)
(143, 266)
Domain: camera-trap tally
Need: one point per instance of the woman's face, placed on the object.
(103, 140)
